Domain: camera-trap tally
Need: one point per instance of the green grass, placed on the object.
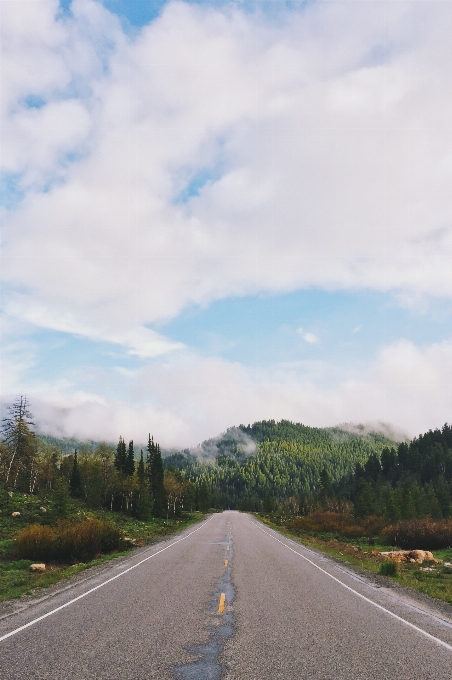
(436, 583)
(16, 578)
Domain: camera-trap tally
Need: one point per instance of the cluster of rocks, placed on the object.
(412, 556)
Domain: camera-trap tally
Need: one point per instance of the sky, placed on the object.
(219, 212)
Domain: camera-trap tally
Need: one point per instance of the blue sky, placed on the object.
(217, 212)
(349, 327)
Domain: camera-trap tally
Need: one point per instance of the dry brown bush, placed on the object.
(338, 523)
(80, 541)
(422, 534)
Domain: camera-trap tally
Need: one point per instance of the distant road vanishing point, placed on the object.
(231, 599)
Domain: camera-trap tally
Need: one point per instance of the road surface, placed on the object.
(231, 599)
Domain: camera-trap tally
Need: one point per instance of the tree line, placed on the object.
(295, 467)
(104, 477)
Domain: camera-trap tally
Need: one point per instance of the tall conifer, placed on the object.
(129, 466)
(121, 456)
(155, 471)
(141, 472)
(75, 484)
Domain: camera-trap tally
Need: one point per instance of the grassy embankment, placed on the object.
(16, 577)
(430, 579)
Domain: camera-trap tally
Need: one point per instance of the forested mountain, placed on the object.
(286, 459)
(249, 467)
(68, 444)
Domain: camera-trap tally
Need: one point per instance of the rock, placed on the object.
(412, 556)
(38, 567)
(43, 509)
(15, 514)
(132, 541)
(10, 494)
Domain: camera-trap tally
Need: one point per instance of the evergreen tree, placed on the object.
(150, 456)
(121, 456)
(157, 479)
(268, 503)
(129, 465)
(19, 438)
(372, 468)
(202, 497)
(443, 495)
(393, 511)
(388, 463)
(60, 498)
(326, 492)
(75, 484)
(143, 505)
(141, 472)
(365, 500)
(435, 508)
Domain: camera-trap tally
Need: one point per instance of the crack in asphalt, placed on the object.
(207, 665)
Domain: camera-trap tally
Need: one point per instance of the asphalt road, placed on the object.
(231, 599)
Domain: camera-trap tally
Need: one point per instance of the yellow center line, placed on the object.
(225, 563)
(221, 603)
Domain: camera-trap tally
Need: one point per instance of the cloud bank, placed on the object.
(216, 153)
(189, 399)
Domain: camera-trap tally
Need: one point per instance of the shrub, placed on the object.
(80, 541)
(422, 534)
(388, 568)
(337, 523)
(35, 542)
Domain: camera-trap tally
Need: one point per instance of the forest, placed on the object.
(101, 476)
(260, 467)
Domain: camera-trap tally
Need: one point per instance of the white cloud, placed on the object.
(308, 336)
(137, 340)
(186, 399)
(325, 141)
(327, 136)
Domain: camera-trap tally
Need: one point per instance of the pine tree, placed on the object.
(75, 483)
(393, 510)
(129, 466)
(17, 433)
(121, 456)
(141, 472)
(60, 498)
(150, 456)
(155, 468)
(202, 497)
(365, 500)
(268, 503)
(326, 488)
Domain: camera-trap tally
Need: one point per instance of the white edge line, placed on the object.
(363, 597)
(104, 583)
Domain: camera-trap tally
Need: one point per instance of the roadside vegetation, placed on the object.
(401, 499)
(351, 492)
(65, 555)
(364, 552)
(62, 512)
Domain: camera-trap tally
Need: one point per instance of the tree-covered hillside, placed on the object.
(287, 460)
